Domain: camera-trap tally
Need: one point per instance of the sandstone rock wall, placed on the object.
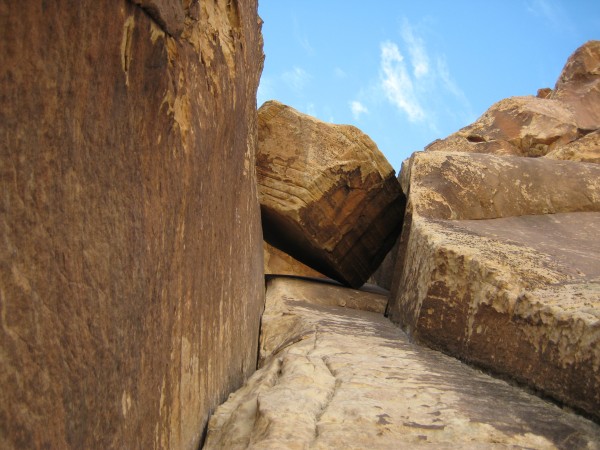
(131, 260)
(499, 265)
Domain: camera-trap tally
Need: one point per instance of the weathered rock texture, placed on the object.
(328, 196)
(586, 149)
(335, 377)
(579, 85)
(499, 264)
(131, 260)
(536, 126)
(278, 262)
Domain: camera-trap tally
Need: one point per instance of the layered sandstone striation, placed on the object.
(334, 377)
(131, 259)
(499, 264)
(545, 124)
(328, 196)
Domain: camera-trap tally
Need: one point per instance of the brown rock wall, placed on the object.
(131, 263)
(499, 264)
(586, 149)
(578, 85)
(448, 185)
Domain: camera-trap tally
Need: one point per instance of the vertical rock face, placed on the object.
(328, 196)
(131, 257)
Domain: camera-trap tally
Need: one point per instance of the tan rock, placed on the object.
(578, 85)
(517, 290)
(350, 379)
(585, 149)
(328, 196)
(544, 93)
(278, 262)
(535, 126)
(131, 270)
(519, 126)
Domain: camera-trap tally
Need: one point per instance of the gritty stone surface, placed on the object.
(578, 85)
(585, 149)
(460, 186)
(328, 196)
(350, 379)
(131, 278)
(516, 290)
(517, 126)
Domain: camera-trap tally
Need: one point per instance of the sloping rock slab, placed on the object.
(328, 196)
(350, 379)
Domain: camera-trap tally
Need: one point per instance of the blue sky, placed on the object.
(409, 72)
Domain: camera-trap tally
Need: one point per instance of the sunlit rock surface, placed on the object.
(348, 378)
(545, 124)
(499, 264)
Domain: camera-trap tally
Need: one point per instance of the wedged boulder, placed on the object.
(578, 85)
(499, 265)
(585, 149)
(348, 378)
(131, 273)
(278, 262)
(328, 196)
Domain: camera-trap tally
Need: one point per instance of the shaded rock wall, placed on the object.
(131, 259)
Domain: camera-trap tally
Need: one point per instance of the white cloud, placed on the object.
(553, 13)
(397, 85)
(544, 9)
(339, 73)
(416, 50)
(357, 109)
(311, 110)
(419, 83)
(296, 78)
(302, 39)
